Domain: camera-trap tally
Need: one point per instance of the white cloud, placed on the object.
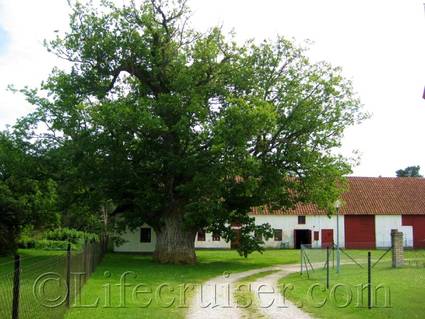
(380, 45)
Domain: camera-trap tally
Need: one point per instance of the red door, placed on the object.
(418, 225)
(327, 237)
(359, 231)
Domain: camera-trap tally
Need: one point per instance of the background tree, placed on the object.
(410, 171)
(27, 197)
(185, 130)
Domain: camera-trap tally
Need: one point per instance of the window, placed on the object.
(316, 235)
(201, 235)
(145, 235)
(215, 237)
(277, 234)
(301, 220)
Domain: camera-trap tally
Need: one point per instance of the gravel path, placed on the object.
(214, 299)
(272, 304)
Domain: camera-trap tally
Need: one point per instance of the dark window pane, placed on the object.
(145, 235)
(201, 235)
(277, 234)
(215, 237)
(316, 235)
(301, 219)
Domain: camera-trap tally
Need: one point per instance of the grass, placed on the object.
(210, 264)
(405, 286)
(37, 262)
(42, 283)
(245, 298)
(33, 263)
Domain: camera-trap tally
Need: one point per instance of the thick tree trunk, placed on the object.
(174, 243)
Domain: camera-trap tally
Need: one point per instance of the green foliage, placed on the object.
(410, 171)
(46, 244)
(72, 235)
(56, 239)
(27, 196)
(161, 120)
(26, 242)
(250, 236)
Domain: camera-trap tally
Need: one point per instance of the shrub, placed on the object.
(69, 234)
(46, 244)
(26, 242)
(51, 244)
(56, 239)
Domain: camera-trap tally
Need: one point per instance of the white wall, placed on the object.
(133, 243)
(286, 223)
(210, 243)
(383, 226)
(289, 222)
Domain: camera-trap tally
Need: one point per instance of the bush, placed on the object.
(51, 244)
(56, 239)
(69, 234)
(26, 242)
(46, 244)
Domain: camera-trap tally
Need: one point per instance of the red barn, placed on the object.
(372, 206)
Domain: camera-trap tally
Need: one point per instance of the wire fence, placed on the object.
(43, 287)
(316, 257)
(331, 266)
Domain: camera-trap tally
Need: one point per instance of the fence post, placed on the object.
(369, 280)
(93, 251)
(68, 275)
(327, 267)
(85, 260)
(397, 248)
(16, 286)
(301, 255)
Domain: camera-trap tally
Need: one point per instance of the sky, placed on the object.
(380, 46)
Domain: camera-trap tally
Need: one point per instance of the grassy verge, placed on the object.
(401, 295)
(174, 299)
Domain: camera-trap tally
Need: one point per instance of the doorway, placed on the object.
(327, 237)
(302, 237)
(235, 242)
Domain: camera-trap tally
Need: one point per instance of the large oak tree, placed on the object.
(185, 130)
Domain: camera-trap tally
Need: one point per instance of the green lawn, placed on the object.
(37, 262)
(211, 263)
(407, 285)
(33, 263)
(406, 288)
(44, 272)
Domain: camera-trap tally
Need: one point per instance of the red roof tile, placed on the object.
(371, 196)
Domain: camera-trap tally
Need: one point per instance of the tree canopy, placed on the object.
(185, 130)
(27, 196)
(410, 171)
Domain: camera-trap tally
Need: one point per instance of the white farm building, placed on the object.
(372, 207)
